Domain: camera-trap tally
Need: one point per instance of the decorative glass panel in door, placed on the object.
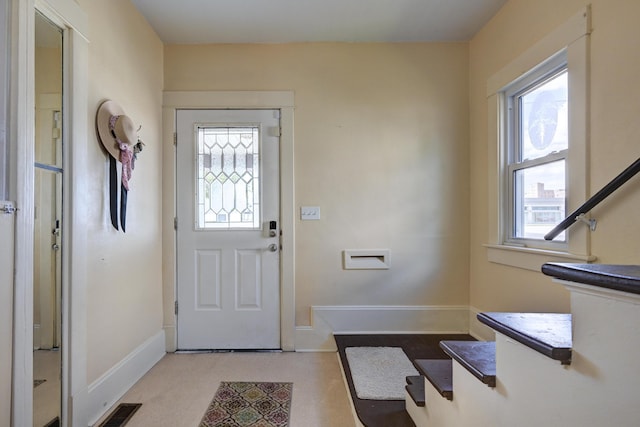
(228, 178)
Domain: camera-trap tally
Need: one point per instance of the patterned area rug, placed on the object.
(244, 404)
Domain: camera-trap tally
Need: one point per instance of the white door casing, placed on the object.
(6, 309)
(285, 102)
(228, 283)
(69, 16)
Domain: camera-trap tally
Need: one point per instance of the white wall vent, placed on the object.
(365, 259)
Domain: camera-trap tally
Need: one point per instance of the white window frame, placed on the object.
(511, 145)
(572, 39)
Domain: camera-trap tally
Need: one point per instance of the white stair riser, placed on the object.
(598, 388)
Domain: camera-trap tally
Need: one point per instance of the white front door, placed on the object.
(228, 229)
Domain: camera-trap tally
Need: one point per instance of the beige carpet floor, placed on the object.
(178, 390)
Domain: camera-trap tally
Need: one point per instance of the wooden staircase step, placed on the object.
(478, 357)
(439, 373)
(415, 388)
(546, 333)
(624, 278)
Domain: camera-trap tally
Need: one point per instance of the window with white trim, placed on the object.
(536, 145)
(527, 153)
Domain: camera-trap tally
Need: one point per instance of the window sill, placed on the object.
(529, 258)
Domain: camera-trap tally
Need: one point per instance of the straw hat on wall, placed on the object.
(113, 126)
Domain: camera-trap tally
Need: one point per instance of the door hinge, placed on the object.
(176, 308)
(175, 223)
(175, 138)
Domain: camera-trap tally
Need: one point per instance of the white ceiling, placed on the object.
(284, 21)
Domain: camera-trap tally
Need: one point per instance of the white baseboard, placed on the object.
(478, 330)
(329, 320)
(106, 390)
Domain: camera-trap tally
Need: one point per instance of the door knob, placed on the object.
(273, 247)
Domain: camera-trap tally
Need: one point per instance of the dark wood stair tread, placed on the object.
(478, 357)
(625, 278)
(439, 372)
(415, 388)
(414, 379)
(546, 333)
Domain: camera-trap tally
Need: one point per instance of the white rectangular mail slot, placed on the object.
(366, 259)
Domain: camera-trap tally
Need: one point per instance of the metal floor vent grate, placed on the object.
(121, 415)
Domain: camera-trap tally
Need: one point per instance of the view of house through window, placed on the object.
(228, 185)
(538, 142)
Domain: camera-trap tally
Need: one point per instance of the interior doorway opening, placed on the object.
(48, 220)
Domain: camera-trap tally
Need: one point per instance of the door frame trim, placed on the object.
(69, 16)
(278, 100)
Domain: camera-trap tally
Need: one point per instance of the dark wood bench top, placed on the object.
(478, 357)
(625, 278)
(439, 372)
(546, 333)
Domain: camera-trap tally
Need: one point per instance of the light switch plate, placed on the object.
(309, 213)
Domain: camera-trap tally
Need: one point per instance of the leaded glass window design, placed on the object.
(228, 177)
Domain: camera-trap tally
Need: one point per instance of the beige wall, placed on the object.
(381, 145)
(615, 102)
(48, 69)
(124, 289)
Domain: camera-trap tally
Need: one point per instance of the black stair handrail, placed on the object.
(612, 186)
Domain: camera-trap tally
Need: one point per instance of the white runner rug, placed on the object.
(379, 373)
